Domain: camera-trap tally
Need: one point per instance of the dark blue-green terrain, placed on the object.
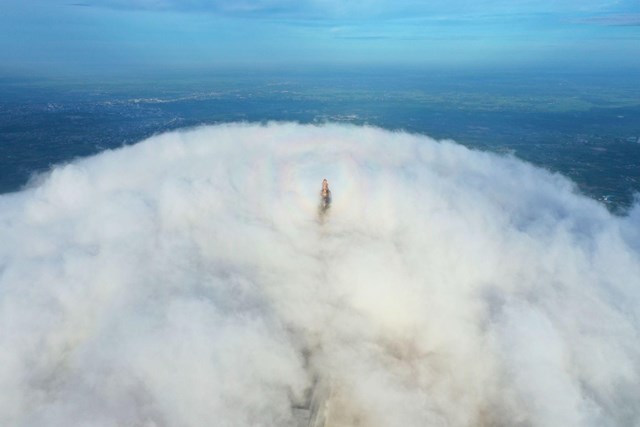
(583, 125)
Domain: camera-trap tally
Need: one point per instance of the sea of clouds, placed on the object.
(190, 280)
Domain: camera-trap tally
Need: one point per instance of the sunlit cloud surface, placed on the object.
(190, 279)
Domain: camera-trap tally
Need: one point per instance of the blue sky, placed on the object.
(49, 36)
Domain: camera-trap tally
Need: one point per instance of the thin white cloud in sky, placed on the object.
(115, 36)
(333, 8)
(189, 280)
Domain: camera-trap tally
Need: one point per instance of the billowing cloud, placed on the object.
(190, 280)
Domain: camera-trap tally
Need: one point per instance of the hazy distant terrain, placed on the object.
(583, 126)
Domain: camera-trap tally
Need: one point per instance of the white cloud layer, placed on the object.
(188, 281)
